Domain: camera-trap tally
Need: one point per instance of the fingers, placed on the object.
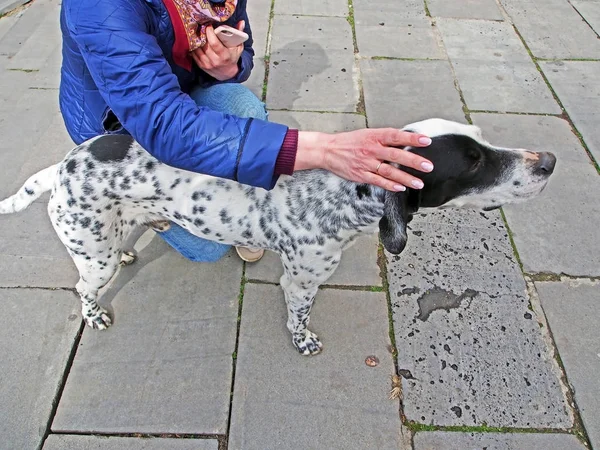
(395, 179)
(214, 43)
(241, 25)
(384, 183)
(392, 139)
(397, 138)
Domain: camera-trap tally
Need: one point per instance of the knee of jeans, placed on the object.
(250, 108)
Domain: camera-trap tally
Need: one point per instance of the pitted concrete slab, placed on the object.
(464, 331)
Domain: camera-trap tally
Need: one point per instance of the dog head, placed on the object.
(468, 173)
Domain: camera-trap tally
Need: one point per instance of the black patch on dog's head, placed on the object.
(111, 147)
(461, 166)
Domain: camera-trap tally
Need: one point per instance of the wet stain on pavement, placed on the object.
(438, 298)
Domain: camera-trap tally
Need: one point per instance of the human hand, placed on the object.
(217, 60)
(358, 156)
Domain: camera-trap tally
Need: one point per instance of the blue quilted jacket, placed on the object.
(118, 76)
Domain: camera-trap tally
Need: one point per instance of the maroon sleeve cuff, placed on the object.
(287, 155)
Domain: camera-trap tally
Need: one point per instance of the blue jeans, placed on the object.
(236, 100)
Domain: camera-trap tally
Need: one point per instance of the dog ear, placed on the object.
(398, 210)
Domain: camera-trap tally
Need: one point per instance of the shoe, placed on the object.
(250, 254)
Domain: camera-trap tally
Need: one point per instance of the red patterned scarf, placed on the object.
(190, 18)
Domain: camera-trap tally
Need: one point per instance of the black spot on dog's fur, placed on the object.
(111, 147)
(362, 190)
(71, 166)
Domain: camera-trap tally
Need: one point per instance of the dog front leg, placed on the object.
(299, 303)
(300, 282)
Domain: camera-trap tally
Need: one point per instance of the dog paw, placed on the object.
(307, 343)
(99, 321)
(128, 257)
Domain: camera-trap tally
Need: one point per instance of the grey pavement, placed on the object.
(489, 319)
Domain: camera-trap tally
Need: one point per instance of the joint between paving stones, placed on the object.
(559, 277)
(62, 383)
(217, 437)
(267, 57)
(16, 9)
(43, 288)
(465, 108)
(340, 287)
(516, 113)
(360, 105)
(419, 427)
(396, 58)
(382, 263)
(315, 112)
(426, 6)
(24, 70)
(243, 281)
(512, 240)
(578, 429)
(566, 59)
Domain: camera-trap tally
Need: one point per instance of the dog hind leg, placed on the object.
(93, 277)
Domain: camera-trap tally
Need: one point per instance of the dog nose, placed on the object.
(545, 164)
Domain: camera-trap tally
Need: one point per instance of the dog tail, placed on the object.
(33, 188)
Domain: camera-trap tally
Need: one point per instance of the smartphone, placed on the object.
(230, 37)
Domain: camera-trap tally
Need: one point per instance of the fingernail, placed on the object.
(399, 187)
(428, 167)
(417, 184)
(424, 140)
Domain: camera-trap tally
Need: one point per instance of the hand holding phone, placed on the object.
(230, 37)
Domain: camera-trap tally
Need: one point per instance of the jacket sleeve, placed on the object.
(139, 86)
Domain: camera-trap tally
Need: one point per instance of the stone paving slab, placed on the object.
(259, 13)
(556, 231)
(495, 441)
(30, 252)
(538, 23)
(21, 130)
(324, 122)
(67, 442)
(464, 329)
(52, 147)
(358, 266)
(165, 365)
(392, 35)
(430, 84)
(257, 77)
(38, 328)
(571, 308)
(283, 400)
(465, 9)
(312, 7)
(8, 5)
(389, 8)
(28, 21)
(41, 43)
(578, 86)
(308, 53)
(493, 68)
(6, 23)
(590, 10)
